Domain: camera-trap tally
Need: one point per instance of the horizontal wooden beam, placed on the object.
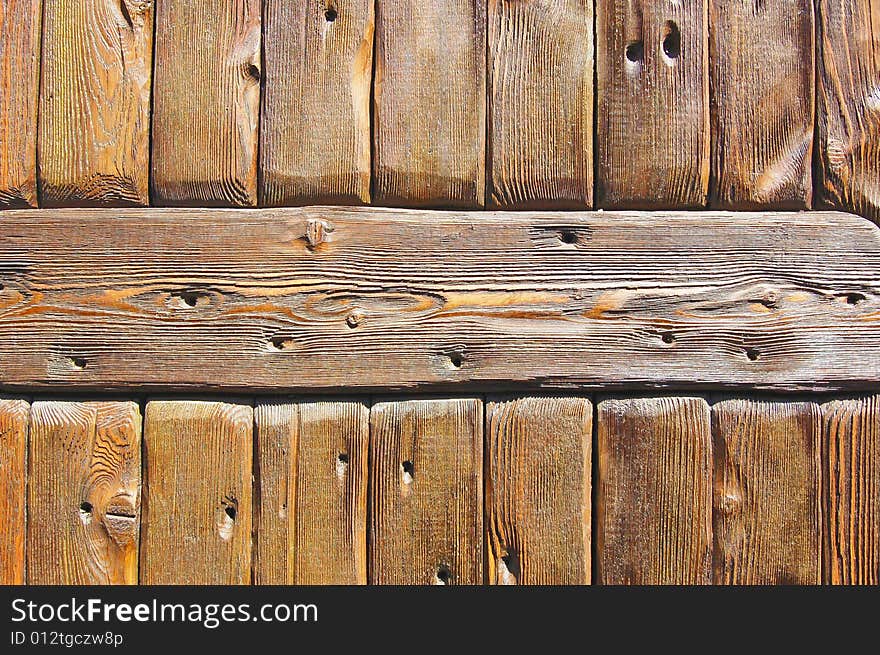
(318, 297)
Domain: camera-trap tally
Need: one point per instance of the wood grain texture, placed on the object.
(652, 143)
(206, 102)
(315, 119)
(324, 298)
(851, 491)
(767, 492)
(13, 489)
(654, 500)
(84, 484)
(538, 506)
(541, 104)
(762, 103)
(426, 492)
(197, 493)
(429, 119)
(95, 102)
(848, 104)
(311, 525)
(19, 87)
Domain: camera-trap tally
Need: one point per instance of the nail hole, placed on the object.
(569, 237)
(456, 360)
(510, 570)
(2, 286)
(230, 512)
(408, 471)
(279, 343)
(331, 15)
(343, 458)
(188, 298)
(78, 362)
(753, 354)
(671, 40)
(668, 337)
(635, 51)
(86, 507)
(851, 298)
(444, 575)
(253, 71)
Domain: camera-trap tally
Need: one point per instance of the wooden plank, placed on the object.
(430, 103)
(654, 499)
(197, 493)
(315, 119)
(95, 102)
(766, 508)
(848, 104)
(851, 490)
(84, 484)
(206, 103)
(13, 488)
(311, 524)
(762, 83)
(652, 139)
(538, 504)
(426, 492)
(19, 87)
(363, 298)
(541, 104)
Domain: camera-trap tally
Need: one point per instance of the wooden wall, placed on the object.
(552, 489)
(454, 103)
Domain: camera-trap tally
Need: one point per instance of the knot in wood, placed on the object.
(316, 232)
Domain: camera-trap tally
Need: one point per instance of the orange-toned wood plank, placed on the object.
(13, 488)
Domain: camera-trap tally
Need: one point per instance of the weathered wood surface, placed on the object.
(538, 505)
(848, 104)
(426, 492)
(429, 120)
(311, 524)
(322, 298)
(13, 488)
(206, 102)
(315, 119)
(197, 493)
(762, 90)
(767, 492)
(540, 77)
(851, 491)
(654, 492)
(84, 484)
(19, 88)
(652, 85)
(95, 102)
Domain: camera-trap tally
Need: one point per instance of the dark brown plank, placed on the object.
(206, 103)
(365, 298)
(315, 119)
(426, 492)
(767, 509)
(311, 523)
(851, 489)
(538, 507)
(762, 86)
(654, 495)
(84, 484)
(652, 139)
(429, 94)
(541, 104)
(13, 489)
(197, 493)
(19, 88)
(848, 104)
(95, 102)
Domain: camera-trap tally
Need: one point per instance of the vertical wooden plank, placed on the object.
(95, 102)
(430, 103)
(541, 104)
(197, 493)
(13, 486)
(766, 507)
(762, 87)
(206, 102)
(538, 497)
(315, 119)
(426, 492)
(851, 491)
(654, 501)
(84, 493)
(652, 91)
(19, 87)
(848, 104)
(311, 523)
